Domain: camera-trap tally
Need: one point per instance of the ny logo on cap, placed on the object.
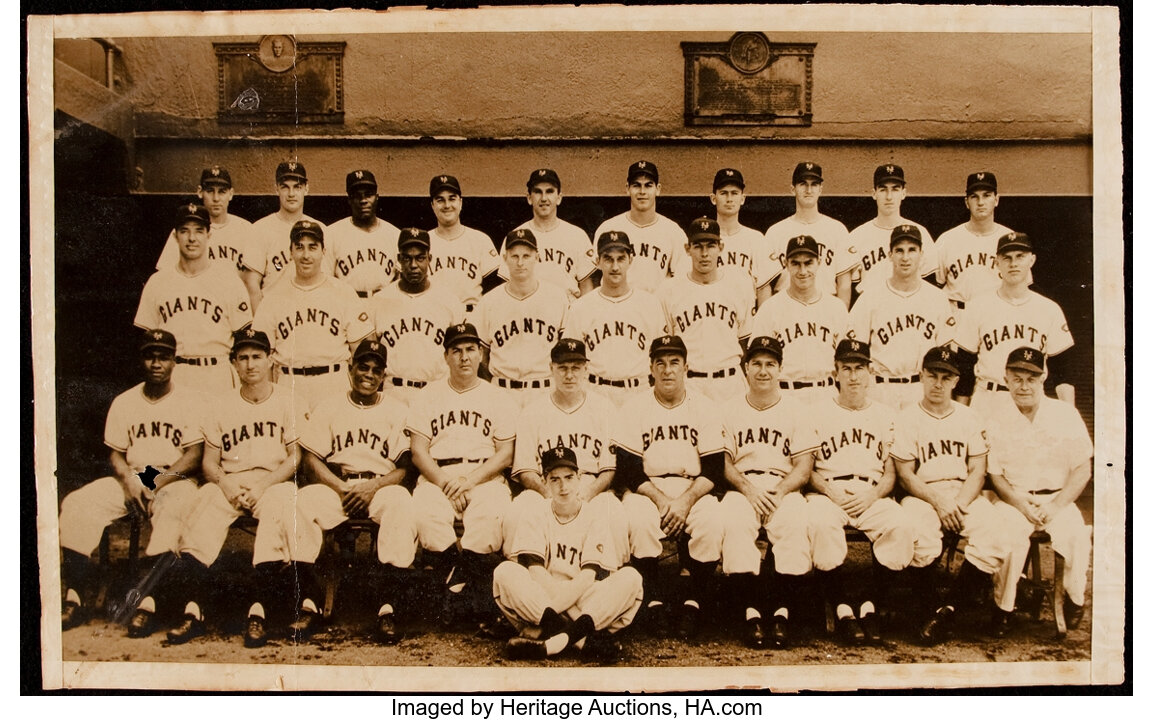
(802, 240)
(305, 224)
(292, 165)
(905, 229)
(1028, 355)
(855, 345)
(642, 164)
(704, 225)
(808, 166)
(157, 335)
(541, 172)
(729, 173)
(1011, 236)
(461, 328)
(945, 355)
(191, 208)
(359, 174)
(614, 236)
(980, 176)
(374, 345)
(571, 345)
(250, 333)
(667, 339)
(519, 233)
(444, 178)
(215, 170)
(888, 168)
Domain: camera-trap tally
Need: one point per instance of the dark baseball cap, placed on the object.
(905, 232)
(611, 239)
(982, 180)
(358, 178)
(851, 350)
(668, 344)
(1026, 359)
(158, 338)
(306, 227)
(460, 333)
(941, 358)
(558, 457)
(443, 182)
(567, 350)
(252, 337)
(703, 229)
(807, 171)
(215, 175)
(543, 175)
(801, 244)
(291, 169)
(643, 167)
(1014, 241)
(191, 211)
(888, 174)
(520, 236)
(728, 176)
(413, 236)
(764, 344)
(369, 347)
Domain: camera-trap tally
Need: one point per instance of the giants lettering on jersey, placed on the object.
(259, 429)
(876, 255)
(349, 262)
(280, 261)
(1019, 332)
(909, 321)
(191, 303)
(575, 441)
(856, 437)
(764, 436)
(712, 310)
(392, 334)
(222, 252)
(454, 262)
(552, 255)
(808, 329)
(655, 254)
(943, 447)
(735, 259)
(619, 329)
(310, 315)
(472, 419)
(824, 256)
(572, 554)
(962, 264)
(682, 432)
(362, 437)
(534, 326)
(157, 429)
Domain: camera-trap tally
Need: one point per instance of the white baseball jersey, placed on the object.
(741, 249)
(832, 246)
(226, 244)
(586, 430)
(269, 250)
(809, 333)
(564, 253)
(1036, 455)
(461, 424)
(462, 263)
(659, 247)
(767, 439)
(901, 327)
(566, 547)
(941, 446)
(967, 262)
(868, 248)
(153, 432)
(411, 327)
(520, 332)
(201, 310)
(993, 327)
(365, 259)
(711, 318)
(670, 440)
(617, 331)
(359, 439)
(852, 442)
(251, 435)
(312, 326)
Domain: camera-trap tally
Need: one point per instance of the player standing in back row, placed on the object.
(361, 244)
(463, 258)
(967, 254)
(742, 243)
(229, 233)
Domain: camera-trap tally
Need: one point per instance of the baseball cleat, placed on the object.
(999, 626)
(933, 632)
(1074, 614)
(602, 646)
(254, 633)
(870, 625)
(779, 632)
(386, 630)
(190, 628)
(520, 648)
(849, 632)
(71, 615)
(688, 623)
(304, 625)
(141, 623)
(755, 636)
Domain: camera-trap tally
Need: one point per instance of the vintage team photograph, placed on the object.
(608, 349)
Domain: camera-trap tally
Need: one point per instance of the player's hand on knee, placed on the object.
(857, 502)
(769, 500)
(459, 502)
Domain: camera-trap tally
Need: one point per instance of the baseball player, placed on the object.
(463, 257)
(357, 452)
(153, 425)
(267, 254)
(807, 321)
(520, 322)
(742, 243)
(710, 311)
(996, 323)
(200, 302)
(314, 320)
(853, 476)
(901, 319)
(229, 233)
(361, 244)
(867, 256)
(461, 433)
(409, 318)
(657, 241)
(1040, 460)
(670, 458)
(940, 452)
(565, 248)
(565, 587)
(768, 461)
(830, 234)
(617, 323)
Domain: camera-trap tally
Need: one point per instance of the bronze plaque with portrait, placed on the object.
(280, 80)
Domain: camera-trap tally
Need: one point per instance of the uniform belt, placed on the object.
(517, 385)
(311, 370)
(806, 384)
(771, 472)
(626, 383)
(1046, 492)
(915, 378)
(198, 361)
(714, 374)
(456, 461)
(360, 476)
(991, 386)
(410, 384)
(367, 293)
(854, 477)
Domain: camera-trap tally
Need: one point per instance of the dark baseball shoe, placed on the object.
(191, 627)
(754, 633)
(933, 632)
(1074, 614)
(602, 647)
(870, 625)
(520, 648)
(387, 632)
(496, 628)
(304, 626)
(658, 620)
(254, 634)
(779, 632)
(849, 632)
(141, 624)
(1000, 623)
(688, 623)
(71, 615)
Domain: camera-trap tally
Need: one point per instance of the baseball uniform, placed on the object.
(365, 259)
(832, 245)
(411, 326)
(461, 263)
(617, 333)
(809, 332)
(226, 243)
(967, 262)
(659, 247)
(268, 251)
(565, 255)
(741, 250)
(867, 256)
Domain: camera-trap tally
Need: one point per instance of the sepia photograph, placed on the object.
(598, 348)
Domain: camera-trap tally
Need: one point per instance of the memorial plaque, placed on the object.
(748, 81)
(279, 80)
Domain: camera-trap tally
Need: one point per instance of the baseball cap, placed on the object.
(807, 171)
(1026, 359)
(520, 236)
(941, 358)
(1014, 241)
(543, 175)
(728, 176)
(703, 229)
(558, 457)
(215, 175)
(643, 167)
(290, 169)
(851, 350)
(905, 232)
(413, 236)
(569, 349)
(460, 333)
(306, 227)
(764, 344)
(985, 180)
(191, 211)
(668, 344)
(158, 338)
(888, 174)
(250, 336)
(443, 182)
(801, 244)
(614, 239)
(357, 178)
(370, 348)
